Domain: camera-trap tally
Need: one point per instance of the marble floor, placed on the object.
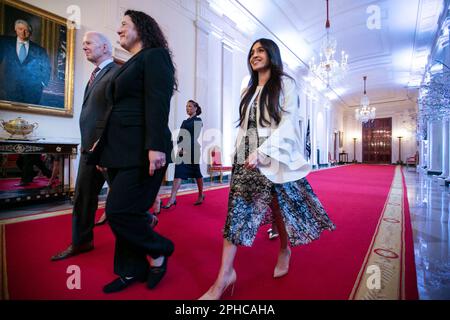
(430, 210)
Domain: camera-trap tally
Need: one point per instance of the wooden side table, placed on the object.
(343, 157)
(65, 150)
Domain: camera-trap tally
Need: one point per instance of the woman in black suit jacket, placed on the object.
(135, 148)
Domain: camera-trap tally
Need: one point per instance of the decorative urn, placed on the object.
(18, 126)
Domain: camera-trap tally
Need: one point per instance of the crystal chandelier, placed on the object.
(327, 68)
(365, 113)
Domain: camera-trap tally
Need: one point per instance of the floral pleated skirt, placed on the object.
(250, 201)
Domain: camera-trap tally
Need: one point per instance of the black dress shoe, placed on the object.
(121, 283)
(155, 274)
(73, 251)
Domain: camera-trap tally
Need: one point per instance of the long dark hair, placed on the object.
(270, 95)
(198, 110)
(150, 34)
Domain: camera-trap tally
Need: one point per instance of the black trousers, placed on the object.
(88, 186)
(132, 194)
(26, 163)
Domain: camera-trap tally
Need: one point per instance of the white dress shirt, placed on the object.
(104, 64)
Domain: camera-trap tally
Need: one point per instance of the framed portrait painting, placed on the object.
(36, 60)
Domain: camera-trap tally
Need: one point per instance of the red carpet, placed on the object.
(353, 196)
(10, 184)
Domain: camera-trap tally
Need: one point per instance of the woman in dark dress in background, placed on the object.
(188, 164)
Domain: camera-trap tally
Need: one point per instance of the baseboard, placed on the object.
(225, 178)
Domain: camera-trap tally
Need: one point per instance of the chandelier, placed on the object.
(328, 68)
(365, 113)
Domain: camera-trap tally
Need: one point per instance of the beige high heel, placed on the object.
(210, 295)
(282, 271)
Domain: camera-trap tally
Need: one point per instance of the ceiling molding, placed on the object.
(427, 21)
(384, 102)
(392, 56)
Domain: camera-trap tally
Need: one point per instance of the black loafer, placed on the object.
(155, 274)
(121, 283)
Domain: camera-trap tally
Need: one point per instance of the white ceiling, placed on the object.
(393, 57)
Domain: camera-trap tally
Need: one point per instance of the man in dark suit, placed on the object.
(95, 110)
(24, 66)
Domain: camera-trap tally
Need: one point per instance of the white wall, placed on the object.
(336, 124)
(56, 127)
(402, 124)
(210, 55)
(178, 21)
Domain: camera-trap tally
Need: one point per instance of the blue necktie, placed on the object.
(22, 52)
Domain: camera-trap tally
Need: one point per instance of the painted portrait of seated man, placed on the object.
(24, 66)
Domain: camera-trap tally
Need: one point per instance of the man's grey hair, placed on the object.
(21, 21)
(103, 40)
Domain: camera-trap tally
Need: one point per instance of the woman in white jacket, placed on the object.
(268, 181)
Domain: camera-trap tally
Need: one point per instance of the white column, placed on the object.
(227, 102)
(423, 154)
(448, 151)
(435, 147)
(446, 49)
(327, 131)
(201, 76)
(445, 149)
(429, 140)
(313, 132)
(312, 119)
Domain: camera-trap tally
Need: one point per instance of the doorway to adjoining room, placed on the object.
(377, 141)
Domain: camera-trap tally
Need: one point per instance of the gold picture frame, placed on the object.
(49, 61)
